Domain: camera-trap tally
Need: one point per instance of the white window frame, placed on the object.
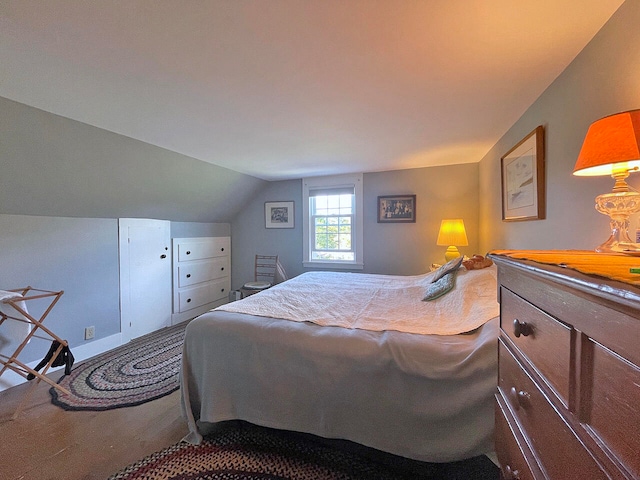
(334, 181)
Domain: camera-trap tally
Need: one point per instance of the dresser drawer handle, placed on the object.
(521, 328)
(510, 473)
(188, 275)
(519, 398)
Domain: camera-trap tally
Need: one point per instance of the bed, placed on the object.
(346, 356)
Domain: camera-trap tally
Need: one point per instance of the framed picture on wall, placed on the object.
(279, 214)
(523, 179)
(397, 209)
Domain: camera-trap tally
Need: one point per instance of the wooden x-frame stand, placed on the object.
(12, 362)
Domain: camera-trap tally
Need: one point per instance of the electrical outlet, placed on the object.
(89, 333)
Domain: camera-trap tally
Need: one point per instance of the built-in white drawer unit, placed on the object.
(201, 275)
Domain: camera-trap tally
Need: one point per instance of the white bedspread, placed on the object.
(428, 397)
(378, 302)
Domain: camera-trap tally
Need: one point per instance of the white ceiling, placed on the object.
(283, 89)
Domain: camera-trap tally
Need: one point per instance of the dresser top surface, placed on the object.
(584, 271)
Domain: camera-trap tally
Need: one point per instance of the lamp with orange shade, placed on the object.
(612, 147)
(452, 233)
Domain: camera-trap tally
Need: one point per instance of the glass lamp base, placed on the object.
(618, 206)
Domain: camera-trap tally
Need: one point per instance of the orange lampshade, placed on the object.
(452, 232)
(609, 141)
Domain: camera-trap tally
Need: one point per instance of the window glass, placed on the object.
(333, 221)
(332, 218)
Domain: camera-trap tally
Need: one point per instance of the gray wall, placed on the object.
(63, 186)
(77, 255)
(250, 237)
(193, 229)
(54, 166)
(395, 249)
(603, 79)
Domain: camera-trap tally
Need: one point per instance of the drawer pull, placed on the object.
(188, 252)
(188, 275)
(188, 300)
(521, 328)
(510, 473)
(519, 398)
(163, 256)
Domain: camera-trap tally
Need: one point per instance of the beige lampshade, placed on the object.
(452, 232)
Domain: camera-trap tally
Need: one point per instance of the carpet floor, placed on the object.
(241, 451)
(142, 370)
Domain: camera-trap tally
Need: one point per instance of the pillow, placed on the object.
(450, 266)
(440, 287)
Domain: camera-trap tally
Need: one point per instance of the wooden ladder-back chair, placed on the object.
(267, 272)
(13, 308)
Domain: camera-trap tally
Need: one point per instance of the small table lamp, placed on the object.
(612, 147)
(452, 233)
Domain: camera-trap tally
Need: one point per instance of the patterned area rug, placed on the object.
(140, 371)
(241, 451)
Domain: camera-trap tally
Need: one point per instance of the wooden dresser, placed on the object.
(568, 396)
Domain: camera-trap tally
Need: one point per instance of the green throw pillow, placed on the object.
(450, 266)
(440, 287)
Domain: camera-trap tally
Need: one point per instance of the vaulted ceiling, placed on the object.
(283, 89)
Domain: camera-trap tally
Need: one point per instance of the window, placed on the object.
(333, 221)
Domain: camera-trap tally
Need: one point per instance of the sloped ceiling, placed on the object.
(281, 89)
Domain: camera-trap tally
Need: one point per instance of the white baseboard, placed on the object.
(82, 352)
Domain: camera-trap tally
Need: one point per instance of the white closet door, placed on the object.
(145, 276)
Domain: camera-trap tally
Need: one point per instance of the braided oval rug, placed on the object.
(140, 371)
(242, 451)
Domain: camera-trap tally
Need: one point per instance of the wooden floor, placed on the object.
(46, 442)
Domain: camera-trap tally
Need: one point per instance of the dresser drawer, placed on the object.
(561, 454)
(198, 249)
(220, 289)
(511, 448)
(611, 408)
(202, 271)
(542, 339)
(193, 297)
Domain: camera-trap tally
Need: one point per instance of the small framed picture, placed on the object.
(523, 192)
(278, 214)
(397, 209)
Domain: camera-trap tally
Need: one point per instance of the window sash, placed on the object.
(334, 228)
(347, 184)
(343, 229)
